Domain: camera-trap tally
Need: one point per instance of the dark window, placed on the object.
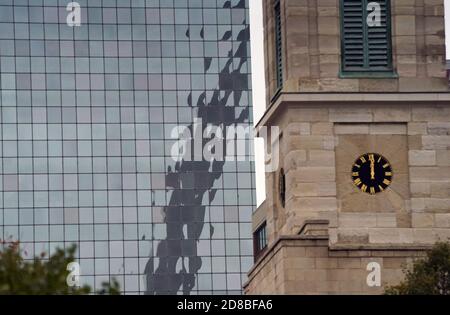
(278, 46)
(366, 47)
(282, 188)
(260, 241)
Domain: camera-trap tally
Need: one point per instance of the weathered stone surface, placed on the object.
(309, 115)
(415, 128)
(294, 159)
(422, 158)
(301, 129)
(311, 143)
(313, 204)
(388, 129)
(440, 190)
(321, 158)
(420, 189)
(322, 139)
(352, 115)
(436, 142)
(351, 129)
(442, 220)
(357, 219)
(352, 236)
(443, 157)
(427, 174)
(384, 236)
(431, 114)
(403, 25)
(327, 189)
(322, 128)
(389, 114)
(313, 174)
(386, 220)
(422, 220)
(439, 128)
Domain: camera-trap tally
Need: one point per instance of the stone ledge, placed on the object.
(379, 248)
(336, 251)
(284, 241)
(308, 99)
(314, 229)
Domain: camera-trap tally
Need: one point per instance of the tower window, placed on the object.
(278, 46)
(282, 187)
(260, 241)
(366, 36)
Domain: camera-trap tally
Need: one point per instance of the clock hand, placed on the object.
(372, 170)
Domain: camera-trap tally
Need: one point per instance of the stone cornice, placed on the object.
(314, 99)
(343, 250)
(280, 242)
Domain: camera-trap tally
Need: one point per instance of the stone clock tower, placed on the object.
(360, 93)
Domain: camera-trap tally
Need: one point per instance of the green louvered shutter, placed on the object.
(379, 41)
(278, 46)
(365, 48)
(353, 35)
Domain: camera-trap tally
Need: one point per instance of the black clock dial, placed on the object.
(372, 173)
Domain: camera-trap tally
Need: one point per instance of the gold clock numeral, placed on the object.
(381, 188)
(363, 159)
(355, 174)
(379, 160)
(386, 165)
(372, 190)
(358, 166)
(358, 181)
(364, 188)
(372, 157)
(388, 173)
(387, 182)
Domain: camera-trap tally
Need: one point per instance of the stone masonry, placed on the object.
(323, 239)
(311, 38)
(307, 266)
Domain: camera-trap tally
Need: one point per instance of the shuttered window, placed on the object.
(365, 47)
(278, 46)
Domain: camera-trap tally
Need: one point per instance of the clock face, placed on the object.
(372, 173)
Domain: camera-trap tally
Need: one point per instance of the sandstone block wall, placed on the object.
(312, 52)
(318, 147)
(298, 266)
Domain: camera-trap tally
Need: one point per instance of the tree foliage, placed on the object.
(428, 276)
(41, 275)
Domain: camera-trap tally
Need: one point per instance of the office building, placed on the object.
(91, 93)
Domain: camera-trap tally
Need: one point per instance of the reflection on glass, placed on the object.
(85, 123)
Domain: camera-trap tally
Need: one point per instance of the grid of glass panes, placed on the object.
(86, 114)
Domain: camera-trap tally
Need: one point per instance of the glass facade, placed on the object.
(87, 119)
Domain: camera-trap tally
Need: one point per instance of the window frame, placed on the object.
(260, 244)
(390, 71)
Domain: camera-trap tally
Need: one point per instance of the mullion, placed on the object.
(365, 33)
